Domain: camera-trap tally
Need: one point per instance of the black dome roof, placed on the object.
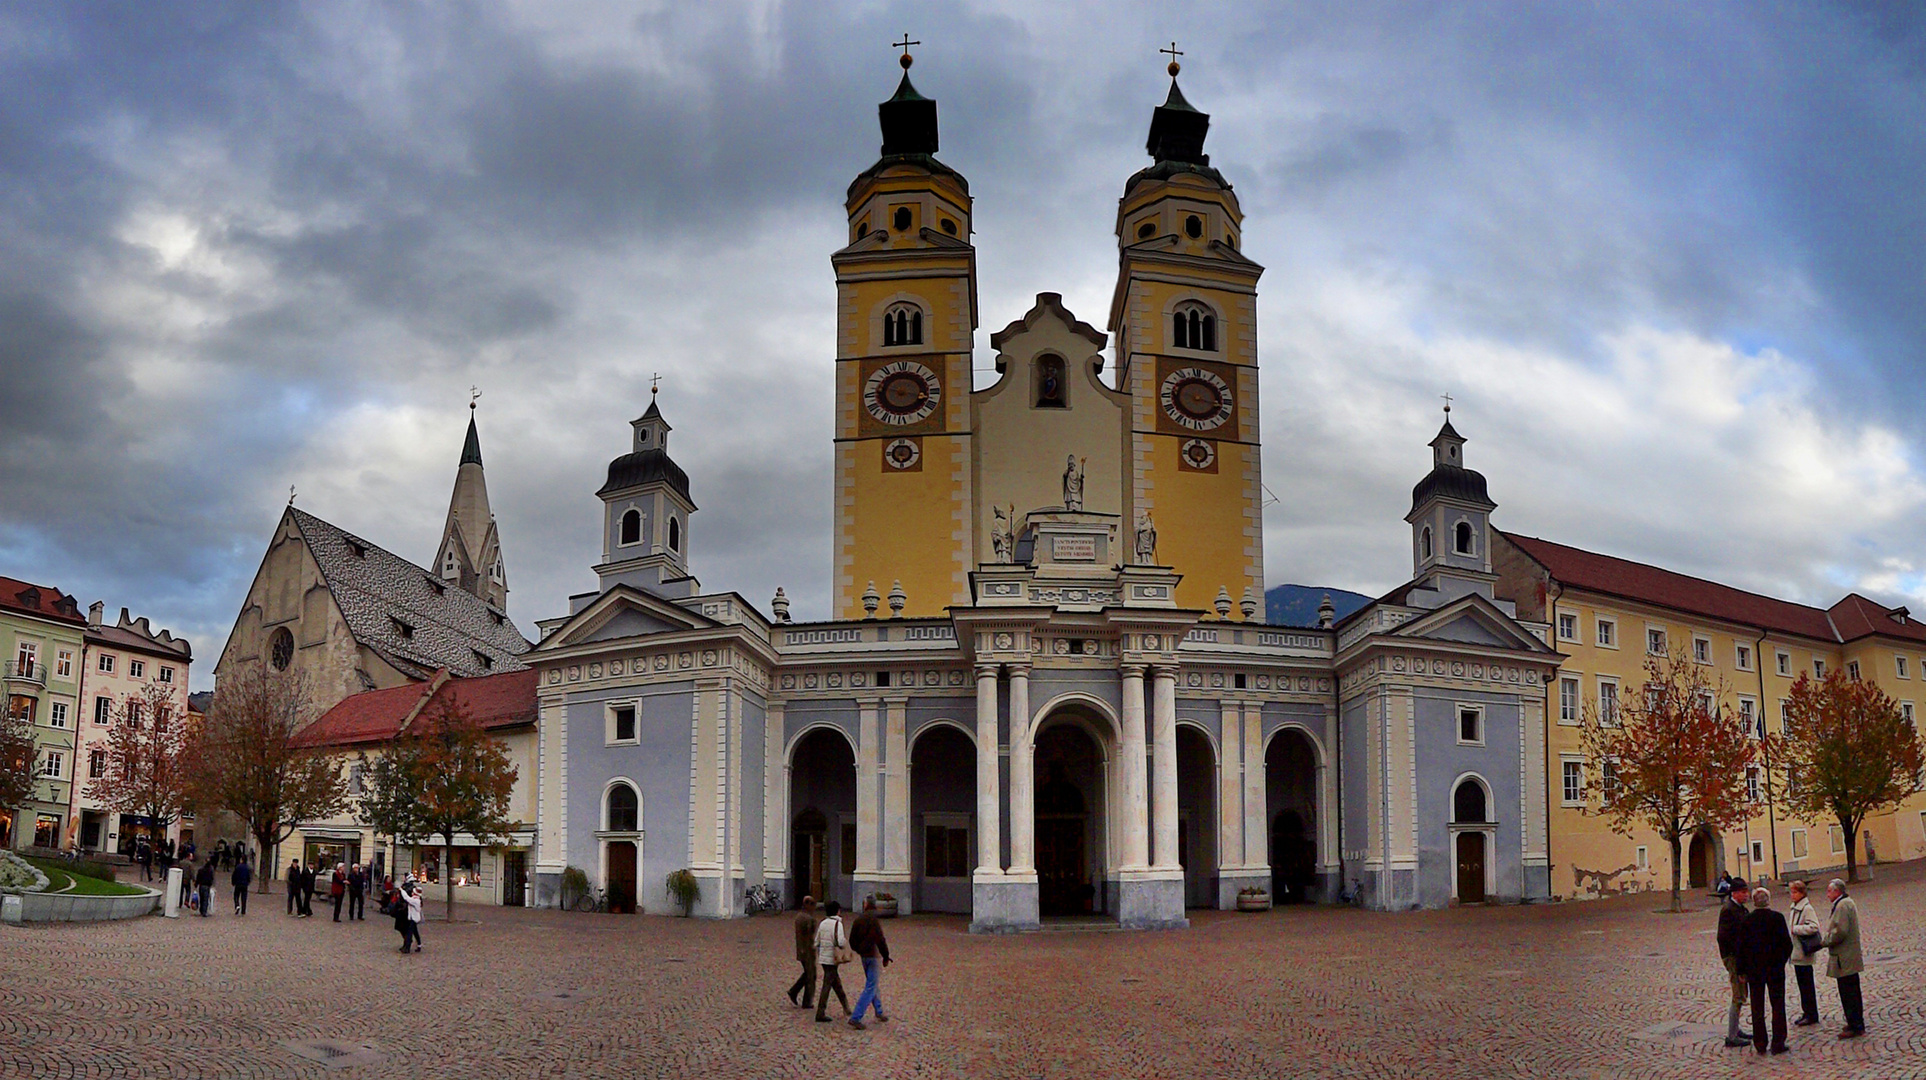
(1452, 482)
(645, 466)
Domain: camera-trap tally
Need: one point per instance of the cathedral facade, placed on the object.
(1046, 689)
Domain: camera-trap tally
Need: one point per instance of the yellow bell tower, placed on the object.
(905, 324)
(1184, 317)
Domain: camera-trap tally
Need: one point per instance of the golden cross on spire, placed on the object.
(1447, 401)
(655, 379)
(1173, 52)
(474, 395)
(904, 45)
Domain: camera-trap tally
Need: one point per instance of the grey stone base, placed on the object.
(868, 887)
(1329, 888)
(545, 890)
(1228, 885)
(1151, 905)
(1006, 907)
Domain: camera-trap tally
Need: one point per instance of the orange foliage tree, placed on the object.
(147, 762)
(1677, 758)
(1847, 752)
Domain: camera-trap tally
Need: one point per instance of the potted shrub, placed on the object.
(1252, 898)
(681, 885)
(885, 905)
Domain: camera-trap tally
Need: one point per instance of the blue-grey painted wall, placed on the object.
(1440, 761)
(659, 765)
(1356, 728)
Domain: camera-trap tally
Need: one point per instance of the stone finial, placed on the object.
(780, 605)
(897, 599)
(870, 601)
(1248, 605)
(1223, 602)
(1326, 612)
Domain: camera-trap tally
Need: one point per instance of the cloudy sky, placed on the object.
(1666, 258)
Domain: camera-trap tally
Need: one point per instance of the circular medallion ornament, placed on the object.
(901, 392)
(1196, 398)
(1199, 453)
(902, 454)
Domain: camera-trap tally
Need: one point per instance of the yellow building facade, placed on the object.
(1609, 617)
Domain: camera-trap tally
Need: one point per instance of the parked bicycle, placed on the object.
(593, 899)
(761, 899)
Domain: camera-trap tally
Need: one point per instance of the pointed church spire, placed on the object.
(470, 556)
(471, 448)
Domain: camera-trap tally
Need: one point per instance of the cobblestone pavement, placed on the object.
(1577, 991)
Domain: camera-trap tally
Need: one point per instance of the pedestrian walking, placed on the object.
(866, 940)
(307, 891)
(205, 880)
(144, 852)
(294, 886)
(398, 911)
(1843, 959)
(338, 889)
(1807, 939)
(832, 950)
(411, 903)
(187, 886)
(357, 893)
(242, 878)
(1764, 947)
(1731, 916)
(807, 919)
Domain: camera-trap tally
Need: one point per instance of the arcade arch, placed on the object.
(822, 816)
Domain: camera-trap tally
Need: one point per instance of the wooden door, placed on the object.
(622, 876)
(514, 878)
(1471, 868)
(1699, 863)
(1062, 888)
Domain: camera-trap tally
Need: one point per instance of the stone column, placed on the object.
(869, 846)
(989, 826)
(1163, 715)
(896, 778)
(1134, 826)
(1257, 810)
(1022, 775)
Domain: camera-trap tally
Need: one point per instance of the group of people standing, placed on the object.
(824, 944)
(1756, 945)
(197, 883)
(349, 886)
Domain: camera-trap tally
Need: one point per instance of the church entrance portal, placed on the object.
(1069, 802)
(1699, 860)
(1290, 785)
(822, 801)
(1471, 868)
(622, 876)
(942, 819)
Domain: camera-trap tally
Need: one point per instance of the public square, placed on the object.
(1574, 990)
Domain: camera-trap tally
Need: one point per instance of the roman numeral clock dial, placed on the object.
(1196, 399)
(902, 392)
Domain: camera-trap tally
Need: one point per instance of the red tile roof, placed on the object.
(1857, 617)
(44, 601)
(1588, 570)
(373, 716)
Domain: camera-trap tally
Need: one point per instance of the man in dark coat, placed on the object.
(307, 891)
(867, 941)
(806, 922)
(243, 877)
(204, 878)
(294, 886)
(1765, 944)
(1731, 915)
(357, 891)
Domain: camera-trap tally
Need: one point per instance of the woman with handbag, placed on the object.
(832, 951)
(1806, 935)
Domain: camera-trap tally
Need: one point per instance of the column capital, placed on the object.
(1018, 671)
(1163, 671)
(1132, 669)
(987, 669)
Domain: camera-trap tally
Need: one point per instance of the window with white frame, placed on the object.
(1464, 540)
(134, 711)
(1752, 787)
(103, 711)
(106, 664)
(1655, 640)
(57, 714)
(1852, 670)
(1906, 710)
(54, 765)
(64, 664)
(1567, 626)
(1702, 650)
(166, 674)
(1568, 694)
(136, 669)
(1742, 657)
(1643, 859)
(1608, 780)
(1899, 667)
(1607, 633)
(1573, 777)
(1193, 326)
(1818, 668)
(1471, 724)
(1607, 700)
(1785, 664)
(96, 764)
(1798, 843)
(1838, 839)
(1758, 852)
(1752, 718)
(621, 723)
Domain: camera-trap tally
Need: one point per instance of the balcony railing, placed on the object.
(26, 671)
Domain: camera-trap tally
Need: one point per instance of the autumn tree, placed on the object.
(146, 771)
(1847, 752)
(442, 774)
(1676, 759)
(245, 760)
(18, 758)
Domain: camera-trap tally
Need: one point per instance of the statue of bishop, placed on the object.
(1073, 483)
(1146, 540)
(1000, 539)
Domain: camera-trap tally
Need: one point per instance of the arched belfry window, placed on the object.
(1468, 803)
(1193, 326)
(1424, 542)
(675, 535)
(624, 809)
(1464, 539)
(1052, 392)
(632, 527)
(903, 325)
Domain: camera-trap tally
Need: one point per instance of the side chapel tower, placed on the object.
(905, 319)
(1184, 316)
(471, 549)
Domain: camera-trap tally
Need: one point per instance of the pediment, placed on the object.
(624, 612)
(1473, 620)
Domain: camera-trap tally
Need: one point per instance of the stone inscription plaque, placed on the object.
(1074, 548)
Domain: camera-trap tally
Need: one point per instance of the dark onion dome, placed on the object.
(1452, 482)
(1176, 141)
(643, 467)
(909, 135)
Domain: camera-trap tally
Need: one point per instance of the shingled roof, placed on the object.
(416, 621)
(41, 601)
(374, 716)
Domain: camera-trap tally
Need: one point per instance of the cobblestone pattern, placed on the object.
(1572, 992)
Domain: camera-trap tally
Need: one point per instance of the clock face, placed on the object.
(901, 393)
(1196, 398)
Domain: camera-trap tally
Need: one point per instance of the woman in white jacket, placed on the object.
(1805, 929)
(413, 899)
(830, 936)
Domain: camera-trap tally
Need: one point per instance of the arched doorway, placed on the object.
(942, 819)
(1197, 816)
(822, 803)
(1290, 788)
(621, 828)
(1701, 859)
(1069, 820)
(1470, 843)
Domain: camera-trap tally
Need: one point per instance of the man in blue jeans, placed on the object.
(866, 940)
